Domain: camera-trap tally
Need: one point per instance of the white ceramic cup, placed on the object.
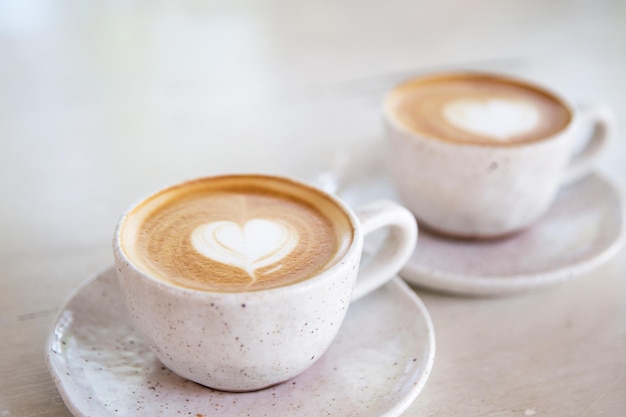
(481, 191)
(245, 341)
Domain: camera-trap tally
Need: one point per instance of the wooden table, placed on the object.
(103, 102)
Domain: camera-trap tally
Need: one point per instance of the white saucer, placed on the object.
(583, 228)
(378, 364)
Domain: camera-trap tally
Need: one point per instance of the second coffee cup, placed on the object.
(240, 282)
(478, 155)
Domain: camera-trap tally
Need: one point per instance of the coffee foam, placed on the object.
(239, 233)
(500, 119)
(477, 108)
(256, 244)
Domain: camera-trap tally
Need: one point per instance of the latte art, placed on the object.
(257, 244)
(477, 109)
(236, 233)
(497, 118)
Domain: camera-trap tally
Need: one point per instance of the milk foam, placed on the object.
(500, 119)
(237, 233)
(257, 244)
(477, 109)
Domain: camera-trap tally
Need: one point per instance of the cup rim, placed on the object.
(327, 274)
(392, 119)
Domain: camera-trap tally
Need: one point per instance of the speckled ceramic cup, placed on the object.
(485, 156)
(249, 340)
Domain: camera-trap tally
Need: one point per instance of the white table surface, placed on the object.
(103, 102)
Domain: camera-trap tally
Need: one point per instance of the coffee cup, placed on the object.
(477, 155)
(240, 282)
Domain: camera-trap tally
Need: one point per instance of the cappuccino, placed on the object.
(478, 109)
(236, 233)
(482, 155)
(241, 282)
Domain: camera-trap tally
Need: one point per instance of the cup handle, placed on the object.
(603, 122)
(395, 250)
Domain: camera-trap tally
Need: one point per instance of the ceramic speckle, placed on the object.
(376, 366)
(583, 228)
(191, 331)
(488, 188)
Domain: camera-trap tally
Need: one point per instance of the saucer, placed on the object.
(377, 365)
(583, 228)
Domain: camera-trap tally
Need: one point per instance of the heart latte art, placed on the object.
(477, 108)
(237, 233)
(496, 118)
(257, 244)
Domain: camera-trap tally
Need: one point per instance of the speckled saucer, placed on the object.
(377, 365)
(583, 228)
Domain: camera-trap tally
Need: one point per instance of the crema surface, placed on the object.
(476, 108)
(230, 234)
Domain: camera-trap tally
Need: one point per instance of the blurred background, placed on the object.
(102, 102)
